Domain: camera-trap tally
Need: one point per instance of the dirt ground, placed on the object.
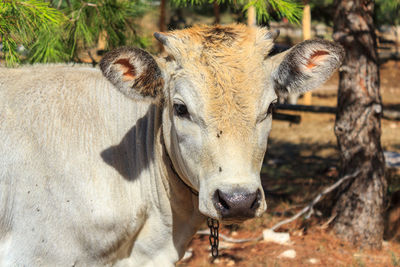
(301, 160)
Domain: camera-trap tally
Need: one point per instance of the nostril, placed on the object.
(220, 200)
(237, 204)
(256, 202)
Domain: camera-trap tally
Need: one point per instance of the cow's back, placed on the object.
(64, 163)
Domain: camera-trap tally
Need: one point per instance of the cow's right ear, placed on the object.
(305, 66)
(134, 72)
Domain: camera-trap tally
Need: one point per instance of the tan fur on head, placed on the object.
(228, 64)
(202, 39)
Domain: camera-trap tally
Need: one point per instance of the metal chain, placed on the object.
(214, 241)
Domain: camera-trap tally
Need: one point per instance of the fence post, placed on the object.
(251, 16)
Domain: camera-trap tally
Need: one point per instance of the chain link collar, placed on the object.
(214, 235)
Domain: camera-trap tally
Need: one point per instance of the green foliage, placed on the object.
(52, 35)
(283, 8)
(20, 21)
(387, 12)
(49, 46)
(290, 9)
(88, 20)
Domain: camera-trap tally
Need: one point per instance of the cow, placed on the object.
(122, 165)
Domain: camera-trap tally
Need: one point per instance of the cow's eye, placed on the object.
(271, 108)
(181, 110)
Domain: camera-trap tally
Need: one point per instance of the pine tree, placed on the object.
(20, 22)
(291, 9)
(361, 201)
(55, 31)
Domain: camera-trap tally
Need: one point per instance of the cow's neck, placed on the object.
(191, 189)
(183, 203)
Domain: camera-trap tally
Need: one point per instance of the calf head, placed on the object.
(216, 88)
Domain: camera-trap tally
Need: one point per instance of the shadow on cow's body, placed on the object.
(135, 152)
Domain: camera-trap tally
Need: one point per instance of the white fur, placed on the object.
(61, 204)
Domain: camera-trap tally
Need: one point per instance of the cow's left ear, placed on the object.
(134, 72)
(305, 66)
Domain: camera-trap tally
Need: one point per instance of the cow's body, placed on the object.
(100, 171)
(82, 173)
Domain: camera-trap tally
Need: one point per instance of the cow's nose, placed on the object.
(238, 204)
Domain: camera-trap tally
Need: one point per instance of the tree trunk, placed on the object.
(360, 202)
(162, 26)
(251, 16)
(217, 13)
(102, 40)
(163, 6)
(306, 27)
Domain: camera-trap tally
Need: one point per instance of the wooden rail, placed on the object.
(387, 114)
(286, 117)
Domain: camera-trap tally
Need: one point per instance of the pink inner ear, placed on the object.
(127, 68)
(316, 58)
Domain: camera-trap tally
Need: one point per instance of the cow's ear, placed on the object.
(134, 72)
(305, 66)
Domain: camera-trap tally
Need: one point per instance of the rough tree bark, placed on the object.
(360, 202)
